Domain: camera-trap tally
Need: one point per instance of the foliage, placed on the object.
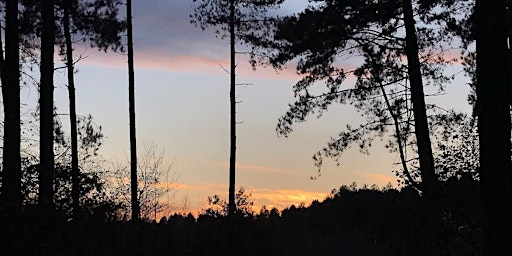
(326, 40)
(250, 16)
(95, 22)
(219, 207)
(154, 183)
(354, 220)
(95, 197)
(94, 192)
(456, 144)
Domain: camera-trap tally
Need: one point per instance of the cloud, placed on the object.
(159, 59)
(278, 198)
(211, 187)
(283, 198)
(258, 168)
(165, 39)
(379, 179)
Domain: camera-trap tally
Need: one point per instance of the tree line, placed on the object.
(352, 220)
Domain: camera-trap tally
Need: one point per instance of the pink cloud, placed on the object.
(209, 63)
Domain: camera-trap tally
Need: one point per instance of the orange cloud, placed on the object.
(278, 198)
(283, 198)
(379, 179)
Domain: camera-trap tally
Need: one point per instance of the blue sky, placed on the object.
(182, 105)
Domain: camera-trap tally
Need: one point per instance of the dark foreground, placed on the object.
(350, 222)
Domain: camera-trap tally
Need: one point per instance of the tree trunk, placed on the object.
(131, 99)
(10, 77)
(232, 99)
(75, 172)
(426, 159)
(493, 111)
(46, 175)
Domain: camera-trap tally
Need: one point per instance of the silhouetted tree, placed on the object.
(96, 22)
(96, 195)
(493, 110)
(155, 181)
(99, 22)
(10, 79)
(232, 103)
(218, 207)
(426, 158)
(46, 175)
(235, 19)
(131, 100)
(455, 143)
(66, 21)
(375, 31)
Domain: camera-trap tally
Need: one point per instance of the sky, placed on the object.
(182, 107)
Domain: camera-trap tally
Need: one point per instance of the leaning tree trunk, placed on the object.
(426, 159)
(10, 77)
(493, 111)
(75, 172)
(131, 96)
(232, 100)
(46, 174)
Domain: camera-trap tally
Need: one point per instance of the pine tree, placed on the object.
(46, 109)
(131, 96)
(10, 78)
(321, 34)
(493, 111)
(236, 19)
(87, 19)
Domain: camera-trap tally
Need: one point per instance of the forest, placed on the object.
(454, 196)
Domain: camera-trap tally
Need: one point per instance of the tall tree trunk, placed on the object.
(426, 159)
(75, 172)
(10, 76)
(46, 175)
(232, 100)
(493, 111)
(131, 96)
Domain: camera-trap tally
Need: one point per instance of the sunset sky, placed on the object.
(182, 106)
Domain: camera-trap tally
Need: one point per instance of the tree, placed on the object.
(387, 91)
(72, 110)
(46, 175)
(131, 100)
(489, 68)
(10, 78)
(426, 158)
(153, 183)
(89, 20)
(235, 19)
(218, 207)
(96, 195)
(493, 110)
(95, 22)
(455, 143)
